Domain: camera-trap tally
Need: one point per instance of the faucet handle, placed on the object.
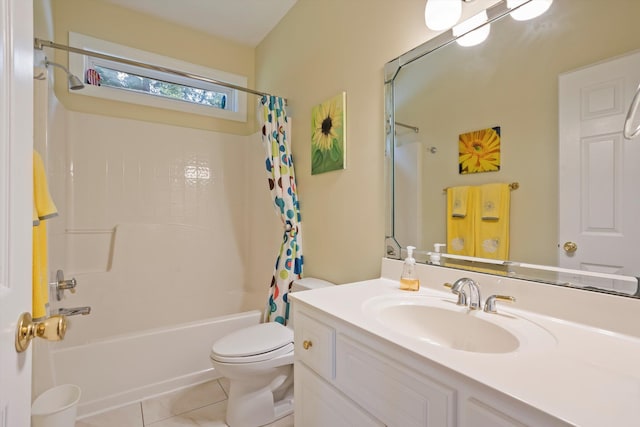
(462, 296)
(490, 303)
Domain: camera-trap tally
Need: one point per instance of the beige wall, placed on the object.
(118, 25)
(318, 50)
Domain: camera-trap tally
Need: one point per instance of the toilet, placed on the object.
(258, 361)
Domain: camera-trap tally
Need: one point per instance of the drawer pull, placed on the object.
(306, 344)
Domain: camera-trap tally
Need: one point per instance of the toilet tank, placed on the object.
(308, 283)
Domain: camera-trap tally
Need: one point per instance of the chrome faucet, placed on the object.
(474, 292)
(74, 311)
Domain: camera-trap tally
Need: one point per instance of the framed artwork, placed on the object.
(328, 132)
(479, 151)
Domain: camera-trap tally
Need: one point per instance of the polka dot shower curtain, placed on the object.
(276, 131)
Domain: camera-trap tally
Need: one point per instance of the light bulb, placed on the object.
(476, 36)
(442, 14)
(530, 10)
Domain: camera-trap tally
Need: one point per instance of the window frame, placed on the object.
(78, 63)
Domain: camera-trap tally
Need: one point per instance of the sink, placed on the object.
(439, 321)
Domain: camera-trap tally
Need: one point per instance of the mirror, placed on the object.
(513, 80)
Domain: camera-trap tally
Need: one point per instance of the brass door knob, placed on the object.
(307, 344)
(570, 247)
(51, 329)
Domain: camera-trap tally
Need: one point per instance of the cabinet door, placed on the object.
(320, 405)
(314, 345)
(390, 391)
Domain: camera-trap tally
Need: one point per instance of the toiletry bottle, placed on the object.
(434, 257)
(409, 280)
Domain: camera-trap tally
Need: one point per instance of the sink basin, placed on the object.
(441, 322)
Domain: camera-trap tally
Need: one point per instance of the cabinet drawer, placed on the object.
(314, 345)
(392, 393)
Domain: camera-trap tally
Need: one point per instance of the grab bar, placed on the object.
(631, 114)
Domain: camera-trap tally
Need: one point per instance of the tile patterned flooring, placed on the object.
(201, 405)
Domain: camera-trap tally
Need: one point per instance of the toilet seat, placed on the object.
(254, 344)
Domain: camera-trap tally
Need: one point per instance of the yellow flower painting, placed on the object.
(328, 135)
(479, 151)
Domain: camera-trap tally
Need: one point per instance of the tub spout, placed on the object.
(74, 311)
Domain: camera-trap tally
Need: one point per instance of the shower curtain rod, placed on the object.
(40, 44)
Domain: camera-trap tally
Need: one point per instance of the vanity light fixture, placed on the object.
(477, 36)
(528, 11)
(442, 14)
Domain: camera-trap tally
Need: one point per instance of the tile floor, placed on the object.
(201, 405)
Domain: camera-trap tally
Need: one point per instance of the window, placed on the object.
(140, 85)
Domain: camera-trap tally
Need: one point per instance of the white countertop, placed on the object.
(589, 377)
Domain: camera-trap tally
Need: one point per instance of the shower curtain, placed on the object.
(276, 131)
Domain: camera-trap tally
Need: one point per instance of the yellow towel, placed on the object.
(44, 208)
(460, 235)
(492, 222)
(40, 296)
(460, 196)
(43, 203)
(490, 200)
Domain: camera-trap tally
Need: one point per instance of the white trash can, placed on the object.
(56, 407)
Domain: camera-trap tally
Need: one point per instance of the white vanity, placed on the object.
(369, 354)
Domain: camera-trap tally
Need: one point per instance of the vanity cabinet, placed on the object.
(346, 376)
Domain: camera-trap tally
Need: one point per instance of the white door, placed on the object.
(16, 199)
(599, 170)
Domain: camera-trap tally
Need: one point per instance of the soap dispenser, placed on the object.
(434, 257)
(409, 279)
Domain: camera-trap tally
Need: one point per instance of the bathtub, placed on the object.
(125, 369)
(160, 295)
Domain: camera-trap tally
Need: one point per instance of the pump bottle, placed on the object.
(434, 257)
(409, 279)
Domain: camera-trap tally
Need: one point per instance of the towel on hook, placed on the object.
(492, 223)
(43, 208)
(460, 197)
(460, 228)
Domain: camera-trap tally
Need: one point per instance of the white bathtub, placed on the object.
(120, 370)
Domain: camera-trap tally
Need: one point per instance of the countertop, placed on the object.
(588, 377)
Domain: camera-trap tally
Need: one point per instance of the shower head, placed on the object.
(74, 82)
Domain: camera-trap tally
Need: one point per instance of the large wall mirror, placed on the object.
(559, 87)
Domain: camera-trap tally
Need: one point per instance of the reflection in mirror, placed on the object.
(559, 87)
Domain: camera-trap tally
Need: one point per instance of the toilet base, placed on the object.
(251, 407)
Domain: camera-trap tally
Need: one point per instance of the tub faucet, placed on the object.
(74, 311)
(474, 292)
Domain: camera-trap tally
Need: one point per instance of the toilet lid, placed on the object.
(265, 340)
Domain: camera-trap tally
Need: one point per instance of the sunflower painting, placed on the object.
(328, 135)
(479, 151)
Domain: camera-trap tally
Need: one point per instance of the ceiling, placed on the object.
(243, 21)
